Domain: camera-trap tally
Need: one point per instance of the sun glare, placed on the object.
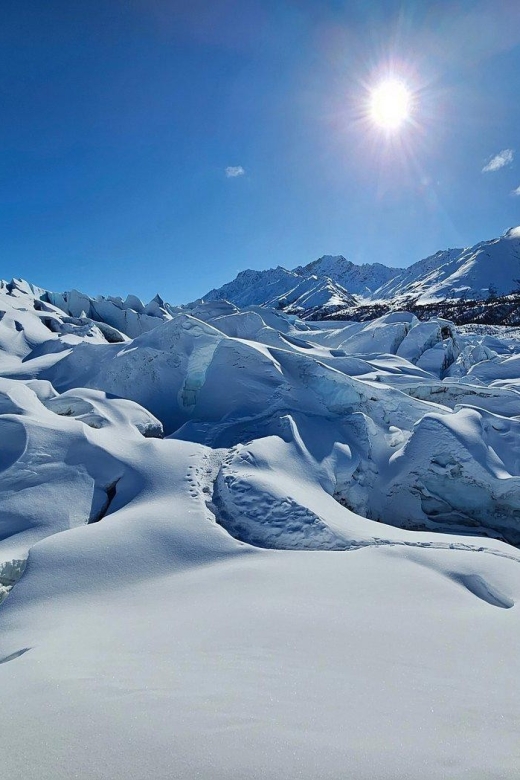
(390, 104)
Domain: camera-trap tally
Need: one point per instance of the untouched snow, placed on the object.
(238, 545)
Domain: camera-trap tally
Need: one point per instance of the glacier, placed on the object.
(237, 543)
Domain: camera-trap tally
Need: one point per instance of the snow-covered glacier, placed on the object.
(235, 544)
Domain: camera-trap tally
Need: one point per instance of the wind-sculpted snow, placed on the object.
(459, 470)
(226, 377)
(112, 316)
(237, 544)
(53, 446)
(131, 316)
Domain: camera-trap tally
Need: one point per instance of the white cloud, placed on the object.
(232, 171)
(505, 157)
(516, 191)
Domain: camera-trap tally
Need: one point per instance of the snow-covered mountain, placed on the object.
(281, 289)
(360, 280)
(323, 286)
(409, 281)
(488, 269)
(481, 272)
(236, 544)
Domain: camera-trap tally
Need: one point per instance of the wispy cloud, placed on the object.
(505, 157)
(232, 171)
(516, 192)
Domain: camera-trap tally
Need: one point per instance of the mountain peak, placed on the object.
(513, 232)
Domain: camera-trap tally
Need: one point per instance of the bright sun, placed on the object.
(390, 104)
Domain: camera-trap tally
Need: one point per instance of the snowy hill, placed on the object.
(238, 544)
(481, 272)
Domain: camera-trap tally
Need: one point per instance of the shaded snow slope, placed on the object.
(310, 572)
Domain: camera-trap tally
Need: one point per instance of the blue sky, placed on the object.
(120, 118)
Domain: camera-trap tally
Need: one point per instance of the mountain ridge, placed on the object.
(330, 287)
(485, 270)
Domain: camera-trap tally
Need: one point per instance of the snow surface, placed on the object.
(238, 545)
